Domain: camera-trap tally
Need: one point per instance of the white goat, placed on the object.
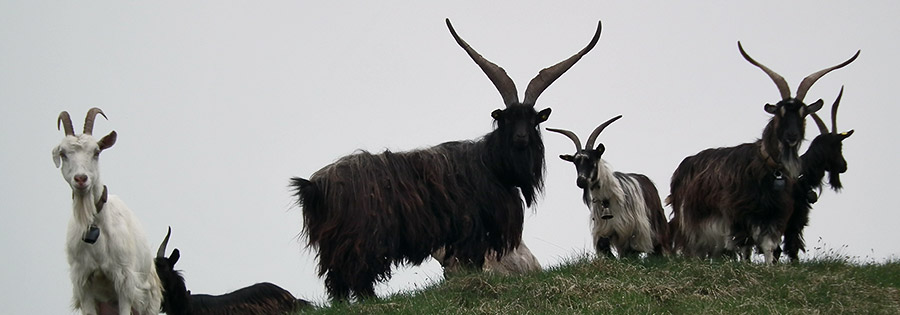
(519, 260)
(110, 263)
(625, 208)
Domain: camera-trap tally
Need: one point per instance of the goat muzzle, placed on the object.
(606, 214)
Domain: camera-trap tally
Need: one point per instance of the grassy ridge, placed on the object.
(679, 286)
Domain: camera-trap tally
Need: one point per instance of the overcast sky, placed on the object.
(218, 105)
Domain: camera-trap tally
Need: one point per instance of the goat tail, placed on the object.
(305, 191)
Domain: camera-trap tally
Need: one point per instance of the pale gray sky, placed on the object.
(217, 105)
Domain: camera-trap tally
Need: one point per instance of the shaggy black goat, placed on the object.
(733, 198)
(257, 299)
(823, 155)
(367, 211)
(625, 208)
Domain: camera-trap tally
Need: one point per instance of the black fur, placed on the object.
(823, 155)
(260, 298)
(738, 185)
(366, 212)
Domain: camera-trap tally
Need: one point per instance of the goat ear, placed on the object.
(566, 157)
(543, 115)
(814, 107)
(497, 114)
(846, 135)
(601, 148)
(107, 141)
(771, 109)
(174, 257)
(56, 157)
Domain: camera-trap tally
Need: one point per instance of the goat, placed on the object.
(365, 211)
(260, 298)
(109, 260)
(823, 155)
(519, 260)
(625, 209)
(733, 198)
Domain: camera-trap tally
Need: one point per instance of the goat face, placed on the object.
(585, 164)
(790, 120)
(78, 155)
(518, 124)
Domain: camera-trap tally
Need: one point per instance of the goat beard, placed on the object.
(834, 180)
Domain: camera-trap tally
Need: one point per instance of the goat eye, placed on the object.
(96, 154)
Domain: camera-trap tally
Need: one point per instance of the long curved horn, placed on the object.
(66, 122)
(89, 119)
(597, 131)
(161, 253)
(494, 72)
(546, 76)
(782, 85)
(822, 128)
(834, 108)
(810, 79)
(569, 134)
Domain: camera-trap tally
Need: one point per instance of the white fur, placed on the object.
(118, 268)
(520, 260)
(629, 230)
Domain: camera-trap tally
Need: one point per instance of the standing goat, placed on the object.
(367, 211)
(260, 298)
(110, 264)
(823, 155)
(733, 198)
(625, 208)
(517, 261)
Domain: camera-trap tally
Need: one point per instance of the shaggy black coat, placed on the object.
(734, 187)
(366, 211)
(823, 155)
(258, 299)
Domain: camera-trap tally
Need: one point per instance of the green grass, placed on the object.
(658, 286)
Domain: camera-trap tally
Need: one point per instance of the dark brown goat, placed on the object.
(366, 212)
(825, 154)
(735, 198)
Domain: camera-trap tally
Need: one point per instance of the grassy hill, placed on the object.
(678, 285)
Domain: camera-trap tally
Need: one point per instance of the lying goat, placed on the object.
(519, 260)
(260, 298)
(625, 208)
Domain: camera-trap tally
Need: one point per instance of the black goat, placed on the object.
(258, 299)
(625, 208)
(825, 154)
(367, 211)
(739, 197)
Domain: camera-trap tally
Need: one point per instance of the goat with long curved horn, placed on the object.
(89, 119)
(626, 213)
(66, 122)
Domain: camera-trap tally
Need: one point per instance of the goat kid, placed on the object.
(366, 212)
(825, 154)
(625, 209)
(110, 264)
(735, 198)
(260, 298)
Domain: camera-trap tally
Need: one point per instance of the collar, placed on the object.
(768, 158)
(103, 198)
